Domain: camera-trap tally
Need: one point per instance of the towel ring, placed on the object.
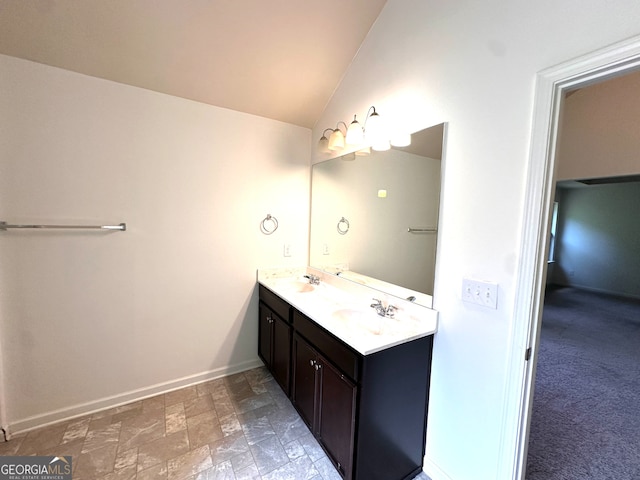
(264, 225)
(342, 230)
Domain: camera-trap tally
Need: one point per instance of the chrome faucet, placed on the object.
(380, 309)
(313, 279)
(377, 305)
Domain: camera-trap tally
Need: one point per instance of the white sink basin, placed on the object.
(364, 321)
(296, 286)
(368, 322)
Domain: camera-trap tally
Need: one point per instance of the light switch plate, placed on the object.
(480, 292)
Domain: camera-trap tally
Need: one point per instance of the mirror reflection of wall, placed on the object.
(381, 196)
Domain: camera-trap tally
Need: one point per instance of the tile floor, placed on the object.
(239, 427)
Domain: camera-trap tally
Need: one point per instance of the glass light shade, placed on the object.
(375, 131)
(401, 140)
(363, 152)
(336, 140)
(355, 133)
(381, 146)
(323, 145)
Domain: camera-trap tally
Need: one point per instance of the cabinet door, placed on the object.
(336, 416)
(281, 352)
(264, 334)
(303, 394)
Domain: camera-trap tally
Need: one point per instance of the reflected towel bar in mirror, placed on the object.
(269, 224)
(343, 226)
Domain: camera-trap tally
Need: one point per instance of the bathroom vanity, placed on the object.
(359, 380)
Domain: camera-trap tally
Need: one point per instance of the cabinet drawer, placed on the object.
(275, 303)
(340, 354)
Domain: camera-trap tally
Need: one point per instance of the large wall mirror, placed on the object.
(374, 218)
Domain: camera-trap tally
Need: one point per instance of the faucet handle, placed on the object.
(391, 311)
(378, 303)
(313, 279)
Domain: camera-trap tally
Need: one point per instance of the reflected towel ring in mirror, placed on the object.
(269, 225)
(343, 226)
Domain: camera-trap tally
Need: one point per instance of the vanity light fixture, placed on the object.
(336, 140)
(355, 133)
(401, 140)
(373, 134)
(374, 131)
(381, 146)
(323, 143)
(363, 152)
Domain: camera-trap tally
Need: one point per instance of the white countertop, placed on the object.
(343, 308)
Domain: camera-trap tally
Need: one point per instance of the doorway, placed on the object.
(551, 87)
(585, 420)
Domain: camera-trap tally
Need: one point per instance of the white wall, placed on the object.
(599, 135)
(473, 64)
(597, 244)
(91, 319)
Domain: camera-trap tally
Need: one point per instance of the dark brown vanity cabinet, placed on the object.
(274, 336)
(369, 412)
(326, 400)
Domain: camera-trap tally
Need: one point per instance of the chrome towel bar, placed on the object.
(422, 230)
(122, 227)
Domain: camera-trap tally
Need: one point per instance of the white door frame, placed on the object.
(5, 433)
(551, 85)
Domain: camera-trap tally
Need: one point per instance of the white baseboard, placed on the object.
(67, 413)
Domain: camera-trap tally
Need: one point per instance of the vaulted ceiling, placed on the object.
(280, 59)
